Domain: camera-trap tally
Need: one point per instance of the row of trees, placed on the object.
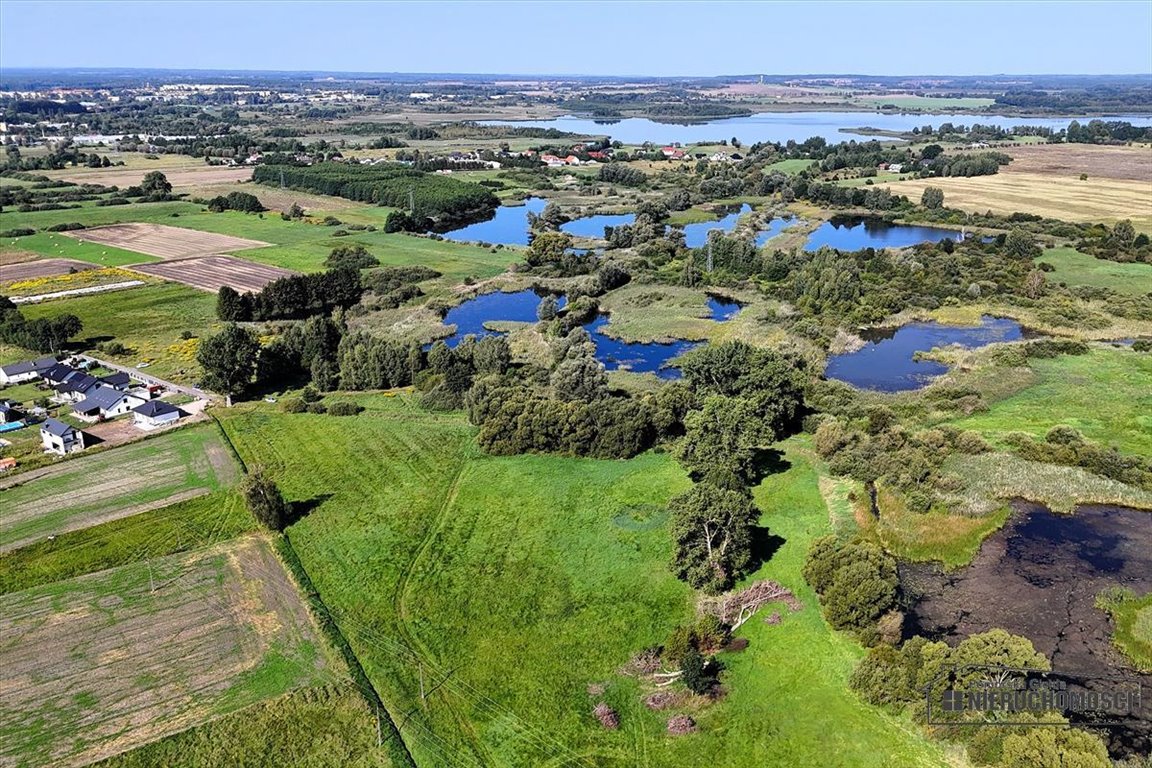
(44, 334)
(295, 296)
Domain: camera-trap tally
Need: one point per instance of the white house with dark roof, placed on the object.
(103, 402)
(61, 438)
(156, 413)
(27, 370)
(76, 386)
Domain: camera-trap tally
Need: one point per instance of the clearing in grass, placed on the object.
(105, 662)
(1074, 268)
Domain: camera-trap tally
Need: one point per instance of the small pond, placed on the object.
(886, 363)
(775, 227)
(639, 357)
(854, 233)
(696, 235)
(509, 225)
(593, 226)
(470, 316)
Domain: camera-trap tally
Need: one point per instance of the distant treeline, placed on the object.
(424, 194)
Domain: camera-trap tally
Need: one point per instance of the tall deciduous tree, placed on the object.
(229, 359)
(155, 183)
(713, 532)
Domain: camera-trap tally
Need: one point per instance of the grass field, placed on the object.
(148, 320)
(789, 167)
(512, 584)
(105, 486)
(911, 101)
(297, 245)
(324, 726)
(101, 663)
(180, 527)
(1075, 268)
(1106, 394)
(1067, 198)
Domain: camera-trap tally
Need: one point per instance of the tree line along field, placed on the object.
(513, 584)
(101, 663)
(122, 482)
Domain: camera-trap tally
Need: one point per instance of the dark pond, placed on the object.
(509, 225)
(854, 233)
(1039, 577)
(593, 226)
(696, 235)
(886, 362)
(470, 316)
(782, 126)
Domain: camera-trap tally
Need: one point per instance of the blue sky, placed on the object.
(615, 38)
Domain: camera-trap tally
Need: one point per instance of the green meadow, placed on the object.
(506, 586)
(1106, 394)
(1074, 268)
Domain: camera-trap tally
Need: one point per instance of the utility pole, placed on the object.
(423, 701)
(379, 728)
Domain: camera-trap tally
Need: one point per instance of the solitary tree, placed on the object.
(1021, 245)
(933, 197)
(713, 531)
(264, 500)
(155, 183)
(229, 359)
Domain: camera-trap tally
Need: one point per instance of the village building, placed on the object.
(156, 413)
(61, 438)
(28, 370)
(107, 403)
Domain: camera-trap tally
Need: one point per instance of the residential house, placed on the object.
(27, 370)
(76, 386)
(156, 413)
(118, 380)
(61, 438)
(57, 374)
(895, 167)
(9, 413)
(673, 153)
(552, 160)
(107, 403)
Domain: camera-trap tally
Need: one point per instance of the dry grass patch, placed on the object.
(1058, 197)
(179, 177)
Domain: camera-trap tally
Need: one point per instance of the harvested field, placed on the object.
(30, 270)
(1071, 160)
(1061, 197)
(99, 664)
(211, 272)
(163, 241)
(128, 480)
(185, 177)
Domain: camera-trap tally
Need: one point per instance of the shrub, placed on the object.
(293, 405)
(317, 408)
(344, 409)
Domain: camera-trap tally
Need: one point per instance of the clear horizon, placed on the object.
(639, 39)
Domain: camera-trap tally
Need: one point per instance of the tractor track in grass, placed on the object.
(409, 637)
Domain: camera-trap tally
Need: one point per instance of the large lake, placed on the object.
(785, 126)
(887, 361)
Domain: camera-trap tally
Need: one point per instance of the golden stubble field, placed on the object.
(1045, 180)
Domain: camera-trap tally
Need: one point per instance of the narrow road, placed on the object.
(139, 376)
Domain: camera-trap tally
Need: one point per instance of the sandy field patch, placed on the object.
(163, 241)
(209, 273)
(190, 177)
(1071, 160)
